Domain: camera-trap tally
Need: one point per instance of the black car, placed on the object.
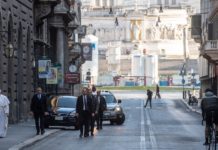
(114, 112)
(62, 112)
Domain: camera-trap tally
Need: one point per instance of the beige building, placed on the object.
(205, 32)
(149, 32)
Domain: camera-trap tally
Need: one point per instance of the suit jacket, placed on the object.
(79, 104)
(102, 105)
(38, 105)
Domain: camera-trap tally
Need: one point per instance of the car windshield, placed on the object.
(66, 102)
(109, 98)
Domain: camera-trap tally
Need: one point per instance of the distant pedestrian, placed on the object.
(38, 108)
(149, 98)
(157, 92)
(4, 113)
(101, 106)
(83, 110)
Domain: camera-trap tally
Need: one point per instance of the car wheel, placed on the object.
(76, 127)
(111, 122)
(46, 125)
(121, 120)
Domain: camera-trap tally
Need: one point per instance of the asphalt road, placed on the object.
(169, 125)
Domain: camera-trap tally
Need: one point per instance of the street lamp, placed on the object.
(9, 51)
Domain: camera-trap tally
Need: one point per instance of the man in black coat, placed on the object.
(83, 110)
(92, 115)
(38, 108)
(101, 106)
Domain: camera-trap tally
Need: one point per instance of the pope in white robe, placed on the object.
(4, 112)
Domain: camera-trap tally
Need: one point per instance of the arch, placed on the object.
(19, 77)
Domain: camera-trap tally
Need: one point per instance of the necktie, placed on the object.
(39, 96)
(84, 103)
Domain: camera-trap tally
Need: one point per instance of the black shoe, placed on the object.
(37, 133)
(86, 135)
(206, 142)
(42, 132)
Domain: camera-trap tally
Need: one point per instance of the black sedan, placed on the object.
(62, 112)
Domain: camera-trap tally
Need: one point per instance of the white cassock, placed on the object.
(4, 111)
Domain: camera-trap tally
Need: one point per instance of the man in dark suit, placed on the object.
(101, 106)
(83, 110)
(39, 109)
(92, 115)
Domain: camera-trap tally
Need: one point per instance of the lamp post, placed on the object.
(183, 73)
(193, 81)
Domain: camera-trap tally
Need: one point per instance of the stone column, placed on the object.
(128, 30)
(60, 53)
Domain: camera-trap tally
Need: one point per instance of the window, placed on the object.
(166, 2)
(173, 2)
(159, 2)
(97, 2)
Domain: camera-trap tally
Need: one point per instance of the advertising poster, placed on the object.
(43, 68)
(52, 76)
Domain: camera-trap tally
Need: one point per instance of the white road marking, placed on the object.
(142, 137)
(151, 131)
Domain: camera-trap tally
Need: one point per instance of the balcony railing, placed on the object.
(211, 45)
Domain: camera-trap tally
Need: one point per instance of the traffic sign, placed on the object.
(72, 78)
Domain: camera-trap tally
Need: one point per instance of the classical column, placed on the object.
(60, 53)
(128, 27)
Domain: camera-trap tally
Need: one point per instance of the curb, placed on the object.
(189, 107)
(33, 140)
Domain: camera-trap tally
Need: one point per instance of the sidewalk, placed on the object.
(194, 107)
(22, 135)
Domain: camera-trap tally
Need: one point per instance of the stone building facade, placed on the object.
(16, 28)
(145, 32)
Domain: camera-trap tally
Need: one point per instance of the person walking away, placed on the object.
(83, 110)
(4, 113)
(100, 108)
(92, 114)
(149, 98)
(38, 109)
(209, 104)
(157, 92)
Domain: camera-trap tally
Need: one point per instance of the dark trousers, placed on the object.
(148, 100)
(158, 95)
(99, 119)
(84, 118)
(39, 121)
(92, 123)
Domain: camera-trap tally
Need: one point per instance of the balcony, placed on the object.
(211, 49)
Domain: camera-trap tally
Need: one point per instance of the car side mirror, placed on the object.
(119, 101)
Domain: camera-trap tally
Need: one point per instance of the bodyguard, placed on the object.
(101, 106)
(38, 108)
(83, 110)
